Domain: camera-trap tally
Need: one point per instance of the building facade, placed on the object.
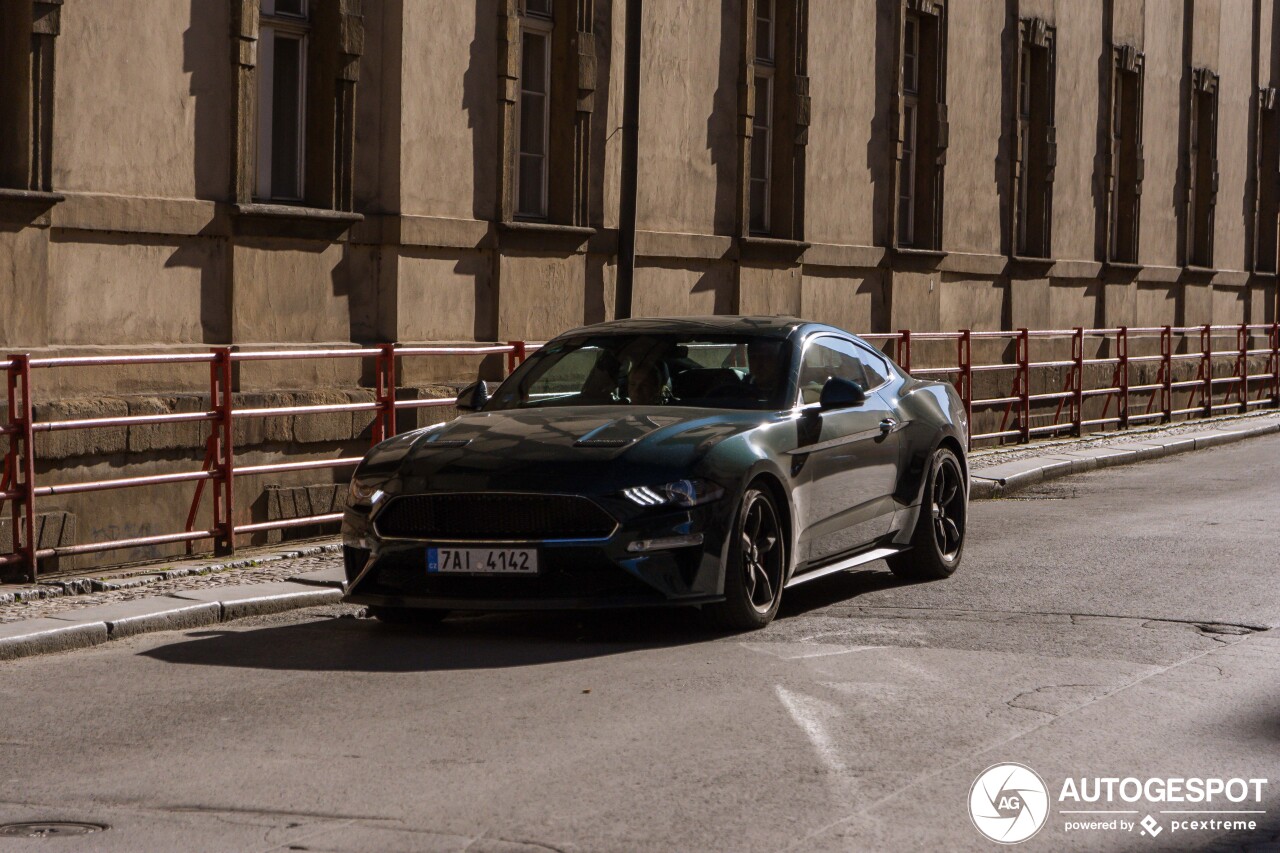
(311, 172)
(179, 174)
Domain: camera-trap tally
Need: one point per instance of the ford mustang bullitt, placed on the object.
(710, 462)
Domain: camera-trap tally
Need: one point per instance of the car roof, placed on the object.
(776, 326)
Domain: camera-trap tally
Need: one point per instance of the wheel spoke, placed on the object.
(949, 493)
(763, 581)
(766, 543)
(953, 532)
(752, 526)
(751, 583)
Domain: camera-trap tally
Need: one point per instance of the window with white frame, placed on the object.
(534, 116)
(762, 124)
(282, 87)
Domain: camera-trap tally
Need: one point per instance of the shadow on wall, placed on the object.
(881, 142)
(1003, 163)
(204, 58)
(480, 101)
(722, 139)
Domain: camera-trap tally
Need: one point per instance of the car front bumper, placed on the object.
(585, 574)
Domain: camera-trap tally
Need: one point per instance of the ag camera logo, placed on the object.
(1009, 803)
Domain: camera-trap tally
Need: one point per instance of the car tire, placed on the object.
(937, 543)
(756, 567)
(413, 616)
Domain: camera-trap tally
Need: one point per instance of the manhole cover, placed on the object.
(49, 828)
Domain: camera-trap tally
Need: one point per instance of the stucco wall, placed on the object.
(974, 175)
(168, 62)
(848, 138)
(688, 112)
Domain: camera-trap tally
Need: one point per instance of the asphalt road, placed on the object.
(1101, 626)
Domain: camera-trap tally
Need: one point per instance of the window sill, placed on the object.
(262, 219)
(1031, 264)
(917, 260)
(770, 248)
(543, 235)
(29, 207)
(1196, 273)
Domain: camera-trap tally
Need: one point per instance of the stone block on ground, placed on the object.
(40, 636)
(259, 599)
(142, 615)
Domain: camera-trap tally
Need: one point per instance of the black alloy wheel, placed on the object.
(938, 541)
(756, 567)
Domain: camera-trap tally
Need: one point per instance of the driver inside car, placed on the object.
(649, 384)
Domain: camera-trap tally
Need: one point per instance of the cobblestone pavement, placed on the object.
(267, 572)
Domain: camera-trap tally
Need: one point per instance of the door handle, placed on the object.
(887, 425)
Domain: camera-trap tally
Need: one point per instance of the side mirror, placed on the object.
(841, 394)
(473, 397)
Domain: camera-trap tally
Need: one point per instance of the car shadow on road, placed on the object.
(483, 641)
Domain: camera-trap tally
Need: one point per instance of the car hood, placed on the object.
(567, 447)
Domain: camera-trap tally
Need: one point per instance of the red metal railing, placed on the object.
(1062, 409)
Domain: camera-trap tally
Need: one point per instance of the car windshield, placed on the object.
(706, 371)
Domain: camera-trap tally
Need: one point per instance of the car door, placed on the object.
(850, 455)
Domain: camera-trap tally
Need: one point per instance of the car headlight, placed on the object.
(360, 494)
(679, 493)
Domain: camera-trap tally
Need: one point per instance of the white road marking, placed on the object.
(789, 651)
(811, 715)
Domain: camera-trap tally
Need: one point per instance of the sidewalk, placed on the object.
(65, 613)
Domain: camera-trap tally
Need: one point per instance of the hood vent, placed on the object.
(603, 442)
(447, 442)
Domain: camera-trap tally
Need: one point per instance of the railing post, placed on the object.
(1242, 366)
(1206, 365)
(220, 397)
(1166, 366)
(516, 357)
(1122, 370)
(964, 359)
(384, 423)
(22, 462)
(1024, 385)
(1077, 398)
(904, 349)
(1275, 364)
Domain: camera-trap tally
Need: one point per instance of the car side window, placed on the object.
(876, 369)
(826, 358)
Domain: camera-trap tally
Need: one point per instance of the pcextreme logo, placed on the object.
(1009, 803)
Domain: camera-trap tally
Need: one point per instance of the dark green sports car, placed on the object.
(709, 461)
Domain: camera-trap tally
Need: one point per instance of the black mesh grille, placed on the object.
(494, 516)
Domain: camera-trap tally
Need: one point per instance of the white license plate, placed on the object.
(482, 561)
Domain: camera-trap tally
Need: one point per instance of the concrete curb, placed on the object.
(1000, 480)
(76, 629)
(59, 587)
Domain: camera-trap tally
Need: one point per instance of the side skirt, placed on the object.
(844, 565)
